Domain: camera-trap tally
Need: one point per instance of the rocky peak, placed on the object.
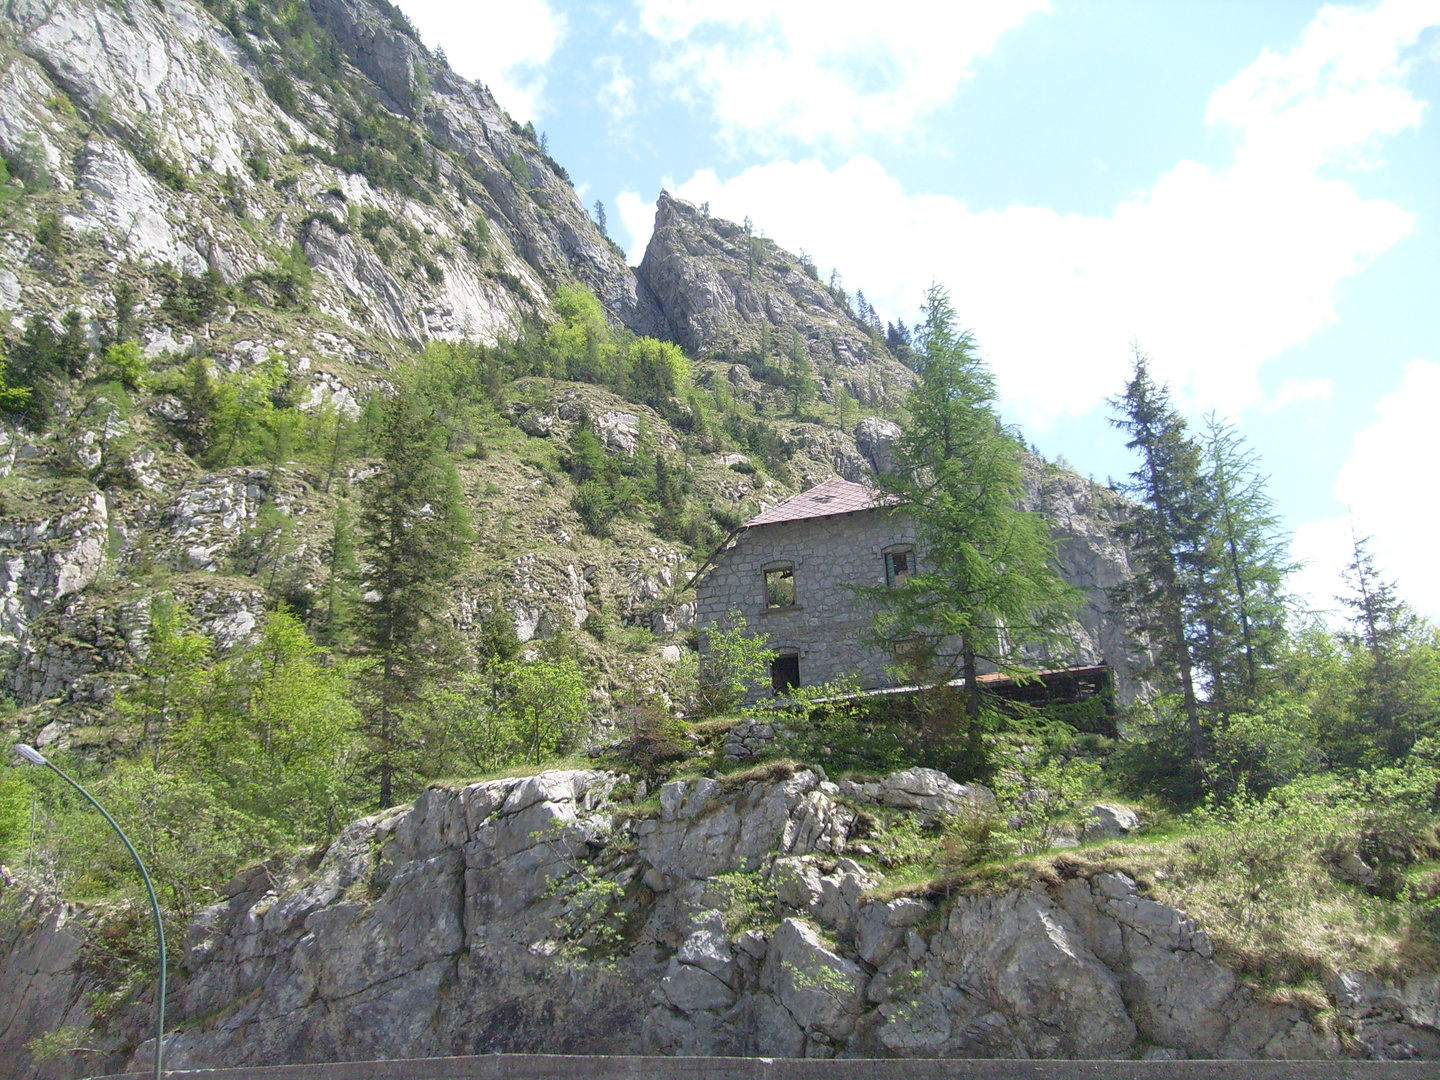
(539, 210)
(729, 292)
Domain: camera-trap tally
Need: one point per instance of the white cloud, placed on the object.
(638, 217)
(505, 46)
(617, 95)
(1387, 485)
(1296, 391)
(1331, 96)
(820, 70)
(1213, 271)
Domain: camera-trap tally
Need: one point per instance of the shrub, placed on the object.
(733, 664)
(125, 363)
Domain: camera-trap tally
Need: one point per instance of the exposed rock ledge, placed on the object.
(443, 929)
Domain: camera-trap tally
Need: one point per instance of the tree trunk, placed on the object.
(972, 694)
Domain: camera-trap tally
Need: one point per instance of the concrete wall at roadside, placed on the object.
(547, 1067)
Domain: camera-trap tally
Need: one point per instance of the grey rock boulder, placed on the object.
(1109, 821)
(821, 990)
(933, 795)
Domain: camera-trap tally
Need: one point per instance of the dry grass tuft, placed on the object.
(769, 772)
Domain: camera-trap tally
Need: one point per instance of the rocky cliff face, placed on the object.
(729, 293)
(180, 139)
(1084, 519)
(731, 919)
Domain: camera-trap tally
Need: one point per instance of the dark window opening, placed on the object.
(779, 588)
(784, 674)
(899, 565)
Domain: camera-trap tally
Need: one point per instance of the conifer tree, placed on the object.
(1395, 702)
(73, 347)
(802, 374)
(414, 535)
(1168, 533)
(987, 583)
(1242, 603)
(341, 600)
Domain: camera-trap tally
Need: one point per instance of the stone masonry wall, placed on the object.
(829, 626)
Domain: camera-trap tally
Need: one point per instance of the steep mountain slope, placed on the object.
(176, 138)
(302, 196)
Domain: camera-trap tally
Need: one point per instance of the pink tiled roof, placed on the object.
(824, 500)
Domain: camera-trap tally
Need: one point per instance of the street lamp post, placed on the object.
(30, 754)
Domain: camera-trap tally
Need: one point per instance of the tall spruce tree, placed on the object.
(1169, 537)
(987, 584)
(414, 534)
(1396, 700)
(341, 597)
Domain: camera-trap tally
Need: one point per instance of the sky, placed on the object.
(1247, 193)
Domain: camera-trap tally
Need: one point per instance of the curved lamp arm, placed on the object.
(30, 754)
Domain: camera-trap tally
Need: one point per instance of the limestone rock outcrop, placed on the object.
(1084, 521)
(476, 919)
(184, 99)
(727, 292)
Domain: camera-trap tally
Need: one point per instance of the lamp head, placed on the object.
(30, 754)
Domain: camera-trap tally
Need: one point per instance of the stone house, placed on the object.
(791, 572)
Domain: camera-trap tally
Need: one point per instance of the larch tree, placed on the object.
(986, 585)
(1242, 606)
(414, 534)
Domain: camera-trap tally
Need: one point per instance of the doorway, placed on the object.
(785, 673)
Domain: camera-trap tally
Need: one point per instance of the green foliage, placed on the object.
(802, 374)
(251, 419)
(658, 371)
(385, 148)
(288, 279)
(50, 235)
(40, 363)
(1393, 661)
(342, 597)
(186, 834)
(278, 738)
(201, 402)
(735, 664)
(987, 584)
(476, 240)
(459, 385)
(190, 299)
(172, 680)
(31, 165)
(543, 702)
(1039, 792)
(15, 797)
(414, 536)
(1169, 538)
(1261, 875)
(1243, 609)
(58, 1044)
(260, 549)
(512, 711)
(125, 363)
(519, 169)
